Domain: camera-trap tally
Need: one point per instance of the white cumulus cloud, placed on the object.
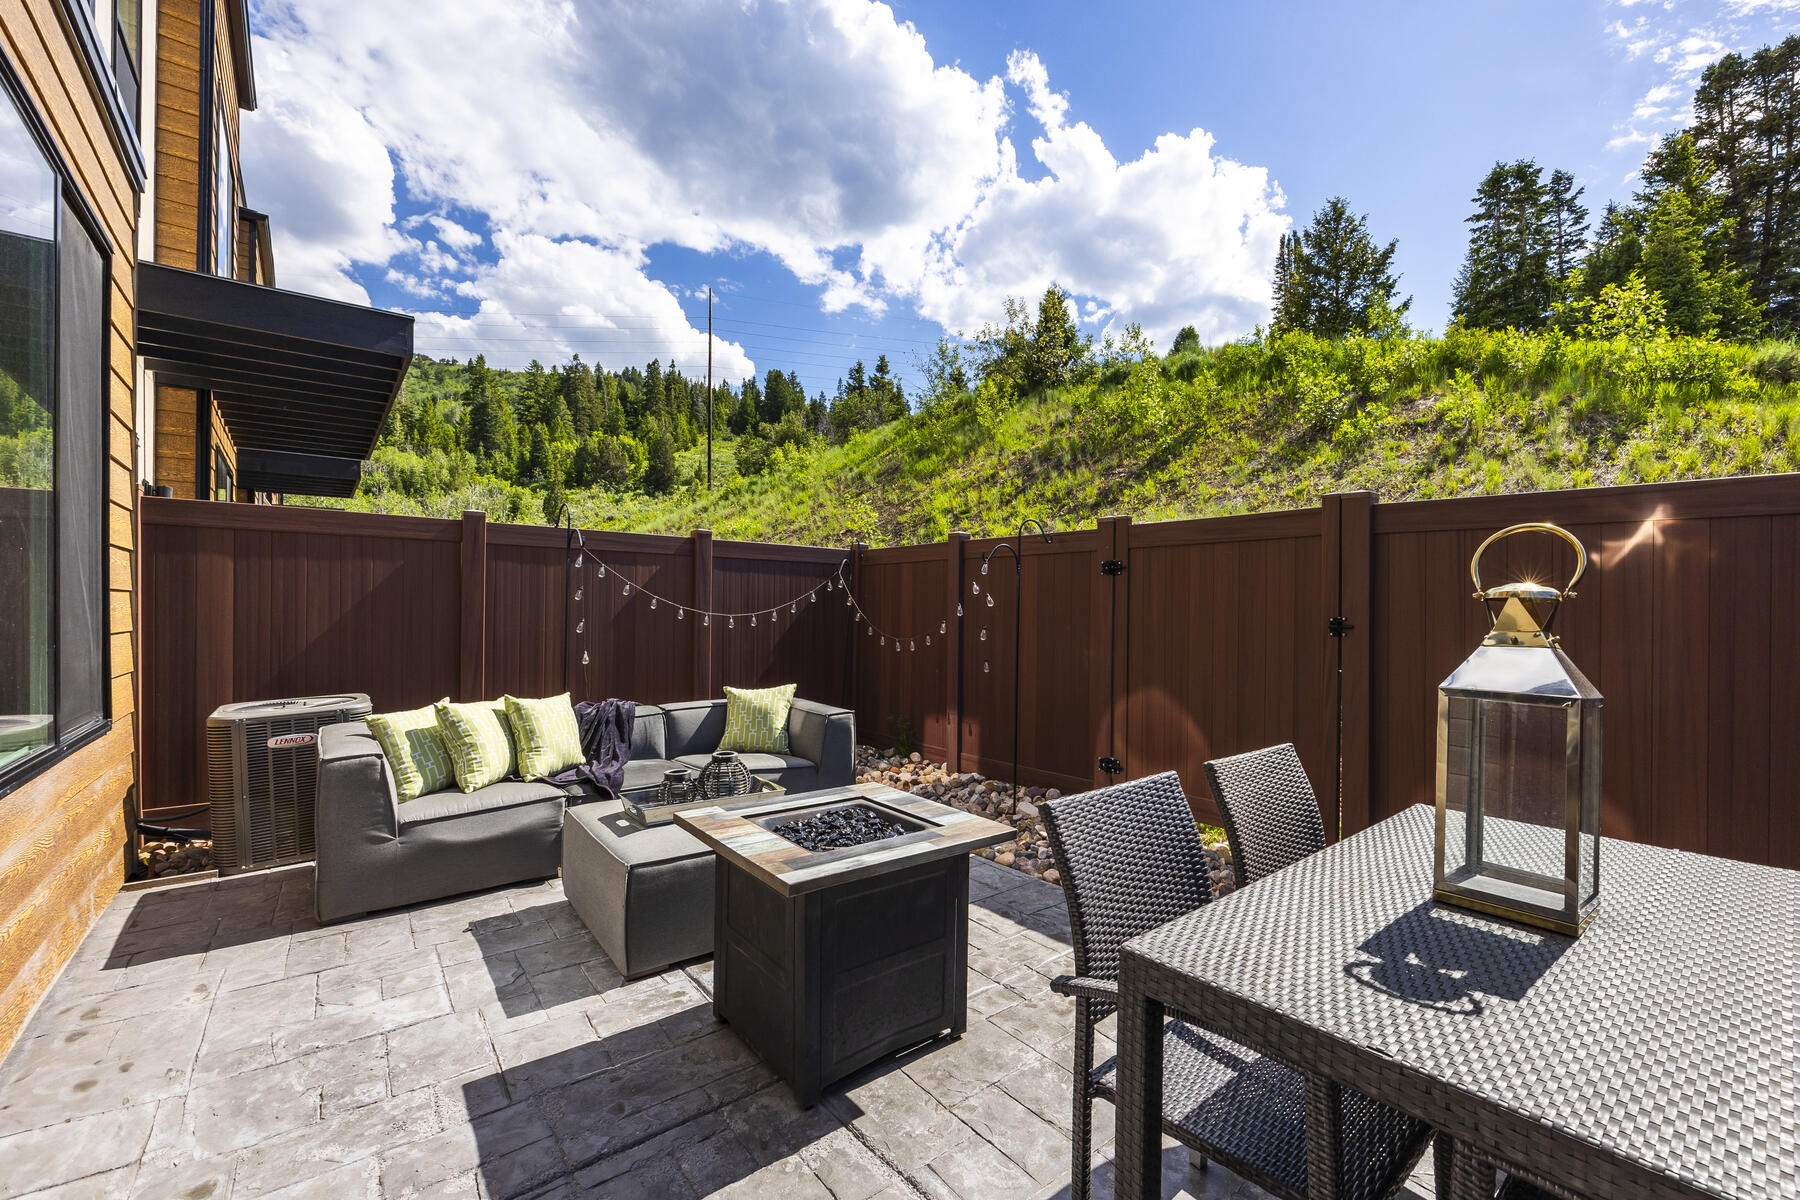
(550, 145)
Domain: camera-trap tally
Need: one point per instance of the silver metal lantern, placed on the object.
(1518, 763)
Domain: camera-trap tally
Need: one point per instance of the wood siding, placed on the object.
(62, 833)
(248, 602)
(176, 425)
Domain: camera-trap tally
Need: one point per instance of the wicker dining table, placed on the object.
(1658, 1055)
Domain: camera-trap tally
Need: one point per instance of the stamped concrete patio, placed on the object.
(211, 1041)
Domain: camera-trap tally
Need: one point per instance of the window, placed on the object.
(118, 24)
(222, 478)
(52, 456)
(224, 227)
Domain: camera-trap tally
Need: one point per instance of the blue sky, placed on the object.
(544, 177)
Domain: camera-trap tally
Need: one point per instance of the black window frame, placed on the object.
(224, 478)
(96, 48)
(72, 202)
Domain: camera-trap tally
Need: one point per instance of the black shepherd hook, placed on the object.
(574, 548)
(1018, 596)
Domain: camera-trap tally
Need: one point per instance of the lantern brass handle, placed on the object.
(1581, 558)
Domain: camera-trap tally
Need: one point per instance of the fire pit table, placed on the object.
(828, 958)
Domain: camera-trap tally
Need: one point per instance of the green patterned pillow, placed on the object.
(415, 750)
(480, 747)
(545, 733)
(756, 719)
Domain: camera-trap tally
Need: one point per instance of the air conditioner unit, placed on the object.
(262, 769)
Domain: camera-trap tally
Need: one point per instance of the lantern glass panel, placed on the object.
(1507, 782)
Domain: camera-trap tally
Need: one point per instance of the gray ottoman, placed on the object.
(645, 894)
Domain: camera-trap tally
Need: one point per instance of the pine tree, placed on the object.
(659, 471)
(1186, 339)
(1506, 277)
(1288, 310)
(1747, 128)
(1568, 224)
(490, 431)
(1334, 275)
(1057, 346)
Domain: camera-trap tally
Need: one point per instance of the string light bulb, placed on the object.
(984, 666)
(928, 639)
(584, 658)
(911, 645)
(753, 620)
(974, 587)
(681, 614)
(990, 599)
(943, 627)
(984, 633)
(731, 622)
(653, 603)
(984, 566)
(626, 590)
(959, 610)
(602, 572)
(706, 619)
(793, 608)
(581, 625)
(577, 593)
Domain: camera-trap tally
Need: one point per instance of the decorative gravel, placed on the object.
(1030, 850)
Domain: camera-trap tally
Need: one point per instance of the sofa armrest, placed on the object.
(826, 736)
(355, 787)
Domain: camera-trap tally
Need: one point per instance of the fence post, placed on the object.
(953, 649)
(856, 656)
(1107, 620)
(703, 599)
(1346, 543)
(474, 605)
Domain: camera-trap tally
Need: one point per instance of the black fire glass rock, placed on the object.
(837, 828)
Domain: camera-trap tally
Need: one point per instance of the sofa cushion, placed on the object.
(648, 736)
(605, 821)
(544, 734)
(694, 726)
(646, 772)
(480, 744)
(438, 806)
(415, 750)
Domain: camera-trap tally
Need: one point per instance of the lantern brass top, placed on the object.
(1526, 607)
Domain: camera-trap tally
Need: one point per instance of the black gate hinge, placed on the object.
(1113, 566)
(1338, 626)
(1111, 765)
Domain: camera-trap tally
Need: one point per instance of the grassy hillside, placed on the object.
(1255, 425)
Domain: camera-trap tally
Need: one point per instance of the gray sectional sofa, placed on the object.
(374, 852)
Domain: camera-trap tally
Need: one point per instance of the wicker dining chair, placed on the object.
(1271, 816)
(1130, 860)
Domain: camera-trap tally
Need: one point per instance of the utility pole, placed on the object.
(709, 389)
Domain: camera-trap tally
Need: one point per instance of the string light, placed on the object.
(811, 595)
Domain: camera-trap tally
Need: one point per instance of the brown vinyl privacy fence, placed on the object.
(1210, 637)
(1214, 637)
(248, 602)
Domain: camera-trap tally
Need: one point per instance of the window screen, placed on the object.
(81, 413)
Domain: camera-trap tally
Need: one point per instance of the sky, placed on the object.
(541, 178)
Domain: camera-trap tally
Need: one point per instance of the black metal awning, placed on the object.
(303, 383)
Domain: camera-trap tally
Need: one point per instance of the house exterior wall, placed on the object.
(184, 219)
(63, 831)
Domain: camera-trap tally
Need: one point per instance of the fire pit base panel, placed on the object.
(823, 983)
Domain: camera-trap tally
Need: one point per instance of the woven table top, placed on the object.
(1663, 1043)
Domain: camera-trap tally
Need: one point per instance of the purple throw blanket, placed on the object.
(606, 740)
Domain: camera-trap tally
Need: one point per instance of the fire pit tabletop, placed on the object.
(740, 833)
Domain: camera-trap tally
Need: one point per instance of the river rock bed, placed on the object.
(1029, 851)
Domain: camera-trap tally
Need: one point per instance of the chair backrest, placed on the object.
(1271, 817)
(1130, 859)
